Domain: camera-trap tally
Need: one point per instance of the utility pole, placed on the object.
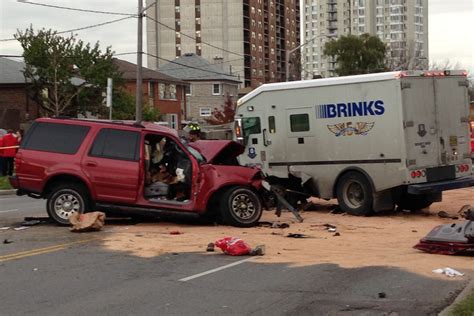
(109, 96)
(138, 104)
(288, 54)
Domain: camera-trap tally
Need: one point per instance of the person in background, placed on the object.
(10, 142)
(1, 156)
(194, 132)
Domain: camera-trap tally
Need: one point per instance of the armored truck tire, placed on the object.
(66, 199)
(413, 202)
(354, 194)
(240, 207)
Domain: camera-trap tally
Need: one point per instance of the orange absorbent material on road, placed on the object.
(87, 222)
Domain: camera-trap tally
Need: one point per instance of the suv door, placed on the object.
(112, 165)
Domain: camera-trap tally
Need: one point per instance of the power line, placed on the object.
(74, 9)
(193, 38)
(81, 28)
(206, 70)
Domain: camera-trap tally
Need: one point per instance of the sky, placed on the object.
(451, 26)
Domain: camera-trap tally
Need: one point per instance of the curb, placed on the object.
(465, 292)
(7, 192)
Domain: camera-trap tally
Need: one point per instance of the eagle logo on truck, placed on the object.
(348, 129)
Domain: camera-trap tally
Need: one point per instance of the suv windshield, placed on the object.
(200, 158)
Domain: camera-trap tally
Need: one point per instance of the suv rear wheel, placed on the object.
(66, 199)
(240, 207)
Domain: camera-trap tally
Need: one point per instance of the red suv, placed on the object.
(82, 165)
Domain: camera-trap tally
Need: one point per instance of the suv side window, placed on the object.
(116, 144)
(54, 137)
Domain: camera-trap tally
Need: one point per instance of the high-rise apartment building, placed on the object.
(247, 38)
(401, 24)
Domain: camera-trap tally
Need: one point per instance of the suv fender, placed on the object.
(58, 178)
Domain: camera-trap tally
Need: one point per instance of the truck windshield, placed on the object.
(251, 125)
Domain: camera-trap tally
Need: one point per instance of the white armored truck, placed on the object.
(371, 141)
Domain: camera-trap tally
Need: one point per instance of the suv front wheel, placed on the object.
(65, 200)
(240, 207)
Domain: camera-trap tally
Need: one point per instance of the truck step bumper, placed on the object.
(431, 187)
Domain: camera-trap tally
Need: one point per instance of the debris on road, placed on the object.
(382, 295)
(210, 247)
(31, 223)
(175, 232)
(87, 222)
(7, 241)
(465, 211)
(21, 228)
(297, 235)
(443, 214)
(337, 234)
(4, 228)
(280, 225)
(258, 250)
(233, 246)
(450, 239)
(450, 272)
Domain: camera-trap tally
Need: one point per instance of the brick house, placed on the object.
(164, 92)
(209, 85)
(16, 108)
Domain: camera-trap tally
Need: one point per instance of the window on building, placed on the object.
(216, 89)
(151, 90)
(205, 111)
(189, 90)
(167, 91)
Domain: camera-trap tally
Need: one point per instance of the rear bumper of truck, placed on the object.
(439, 186)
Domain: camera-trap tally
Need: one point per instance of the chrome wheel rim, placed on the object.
(66, 204)
(243, 206)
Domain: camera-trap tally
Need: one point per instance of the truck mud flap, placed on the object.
(424, 188)
(283, 203)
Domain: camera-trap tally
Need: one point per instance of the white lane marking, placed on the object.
(6, 211)
(215, 270)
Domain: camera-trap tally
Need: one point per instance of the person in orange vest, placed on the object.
(10, 140)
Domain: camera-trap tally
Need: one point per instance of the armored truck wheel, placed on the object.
(354, 194)
(66, 199)
(240, 207)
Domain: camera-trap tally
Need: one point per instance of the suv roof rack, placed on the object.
(113, 122)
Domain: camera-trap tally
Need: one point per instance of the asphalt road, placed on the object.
(47, 270)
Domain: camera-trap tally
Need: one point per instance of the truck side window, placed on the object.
(116, 144)
(271, 124)
(299, 122)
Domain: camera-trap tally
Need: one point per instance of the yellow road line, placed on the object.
(39, 251)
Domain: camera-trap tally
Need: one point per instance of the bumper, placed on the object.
(432, 187)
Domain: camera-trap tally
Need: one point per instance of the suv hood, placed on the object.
(215, 150)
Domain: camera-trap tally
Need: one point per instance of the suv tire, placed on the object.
(240, 207)
(66, 199)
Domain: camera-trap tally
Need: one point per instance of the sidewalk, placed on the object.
(467, 290)
(7, 192)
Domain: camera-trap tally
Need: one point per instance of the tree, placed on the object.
(357, 54)
(124, 108)
(65, 70)
(224, 114)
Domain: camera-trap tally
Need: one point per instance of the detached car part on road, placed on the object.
(84, 165)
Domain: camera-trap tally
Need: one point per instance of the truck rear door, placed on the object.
(435, 111)
(420, 122)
